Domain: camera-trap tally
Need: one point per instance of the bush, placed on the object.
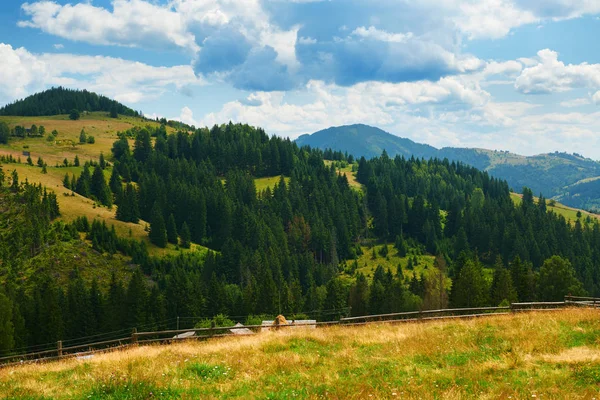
(74, 115)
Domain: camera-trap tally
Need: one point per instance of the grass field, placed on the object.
(97, 124)
(554, 355)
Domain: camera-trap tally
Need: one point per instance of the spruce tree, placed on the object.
(158, 230)
(185, 236)
(4, 132)
(82, 136)
(502, 286)
(99, 189)
(171, 230)
(84, 182)
(7, 340)
(115, 184)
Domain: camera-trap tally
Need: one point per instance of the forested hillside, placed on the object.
(290, 249)
(555, 175)
(62, 101)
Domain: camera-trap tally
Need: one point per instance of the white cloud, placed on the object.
(131, 23)
(59, 46)
(22, 73)
(127, 81)
(575, 102)
(551, 75)
(186, 116)
(374, 33)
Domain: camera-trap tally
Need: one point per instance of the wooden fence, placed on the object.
(169, 336)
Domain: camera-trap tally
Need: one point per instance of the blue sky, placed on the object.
(518, 75)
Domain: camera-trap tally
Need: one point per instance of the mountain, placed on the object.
(364, 140)
(570, 178)
(61, 101)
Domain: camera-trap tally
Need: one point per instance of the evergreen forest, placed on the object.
(284, 249)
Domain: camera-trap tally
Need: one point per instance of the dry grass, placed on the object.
(544, 355)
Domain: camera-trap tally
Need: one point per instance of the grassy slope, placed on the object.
(569, 213)
(104, 129)
(351, 176)
(367, 265)
(544, 355)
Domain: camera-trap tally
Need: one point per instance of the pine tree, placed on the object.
(102, 161)
(359, 296)
(76, 161)
(470, 288)
(137, 298)
(84, 182)
(99, 189)
(82, 136)
(7, 340)
(4, 132)
(171, 230)
(115, 184)
(128, 209)
(502, 289)
(185, 236)
(158, 230)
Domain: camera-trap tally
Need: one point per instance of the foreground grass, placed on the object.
(544, 355)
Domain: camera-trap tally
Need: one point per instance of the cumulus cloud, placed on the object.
(22, 73)
(550, 75)
(127, 81)
(131, 23)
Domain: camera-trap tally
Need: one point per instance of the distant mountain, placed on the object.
(570, 178)
(61, 101)
(364, 140)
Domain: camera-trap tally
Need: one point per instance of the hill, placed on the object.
(364, 140)
(532, 355)
(60, 100)
(565, 177)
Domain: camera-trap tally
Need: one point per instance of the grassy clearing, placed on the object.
(569, 213)
(367, 264)
(268, 182)
(538, 355)
(351, 176)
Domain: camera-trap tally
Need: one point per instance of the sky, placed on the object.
(517, 75)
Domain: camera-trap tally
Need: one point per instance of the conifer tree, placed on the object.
(76, 161)
(84, 182)
(115, 185)
(171, 230)
(82, 136)
(7, 340)
(502, 286)
(99, 189)
(470, 288)
(158, 230)
(185, 236)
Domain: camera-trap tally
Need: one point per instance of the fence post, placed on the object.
(212, 327)
(134, 336)
(59, 348)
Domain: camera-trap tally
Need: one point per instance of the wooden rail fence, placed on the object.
(169, 336)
